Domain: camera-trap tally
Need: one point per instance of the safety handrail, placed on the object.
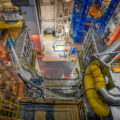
(9, 107)
(82, 110)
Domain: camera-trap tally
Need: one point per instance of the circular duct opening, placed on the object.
(68, 0)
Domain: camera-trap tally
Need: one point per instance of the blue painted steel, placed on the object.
(75, 13)
(74, 50)
(37, 80)
(103, 21)
(9, 41)
(98, 2)
(80, 17)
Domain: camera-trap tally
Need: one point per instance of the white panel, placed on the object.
(48, 14)
(30, 19)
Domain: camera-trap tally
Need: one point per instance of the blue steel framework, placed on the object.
(80, 17)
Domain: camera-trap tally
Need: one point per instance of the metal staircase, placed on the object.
(19, 42)
(48, 87)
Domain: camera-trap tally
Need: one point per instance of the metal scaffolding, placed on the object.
(81, 19)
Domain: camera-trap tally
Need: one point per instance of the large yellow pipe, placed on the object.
(94, 80)
(4, 25)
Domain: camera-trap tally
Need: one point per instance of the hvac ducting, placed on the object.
(94, 80)
(68, 0)
(94, 83)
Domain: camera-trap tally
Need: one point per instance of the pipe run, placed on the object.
(45, 90)
(113, 48)
(111, 99)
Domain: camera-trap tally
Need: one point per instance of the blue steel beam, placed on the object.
(98, 2)
(103, 21)
(75, 13)
(79, 18)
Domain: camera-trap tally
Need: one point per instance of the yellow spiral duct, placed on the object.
(4, 25)
(94, 80)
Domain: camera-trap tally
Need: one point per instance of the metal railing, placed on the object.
(64, 76)
(83, 115)
(9, 107)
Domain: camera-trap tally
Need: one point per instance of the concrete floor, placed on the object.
(50, 52)
(61, 112)
(66, 110)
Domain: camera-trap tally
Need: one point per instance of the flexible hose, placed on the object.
(94, 80)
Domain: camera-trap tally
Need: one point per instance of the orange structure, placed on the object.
(75, 45)
(36, 43)
(14, 33)
(115, 35)
(4, 55)
(95, 10)
(3, 51)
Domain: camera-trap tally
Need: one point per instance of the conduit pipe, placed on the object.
(48, 91)
(111, 99)
(114, 47)
(94, 82)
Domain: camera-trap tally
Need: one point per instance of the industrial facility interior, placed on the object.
(59, 59)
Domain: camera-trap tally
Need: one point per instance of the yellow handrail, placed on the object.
(9, 107)
(82, 110)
